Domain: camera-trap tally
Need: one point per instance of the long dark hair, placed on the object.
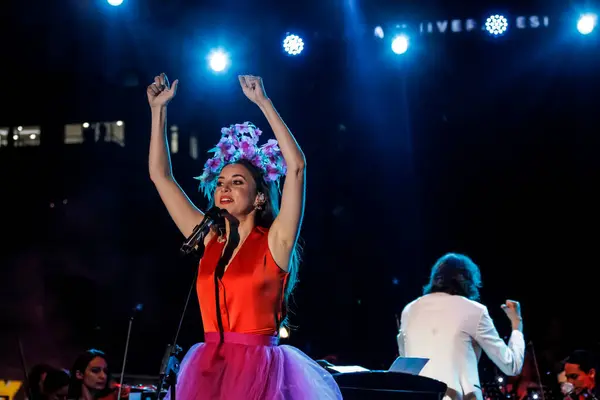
(80, 365)
(264, 218)
(35, 376)
(455, 274)
(55, 380)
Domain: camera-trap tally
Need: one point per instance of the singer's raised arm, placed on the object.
(185, 214)
(286, 227)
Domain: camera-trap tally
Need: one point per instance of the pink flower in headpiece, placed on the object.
(230, 134)
(272, 173)
(213, 164)
(242, 128)
(257, 161)
(225, 148)
(252, 134)
(270, 148)
(247, 148)
(255, 134)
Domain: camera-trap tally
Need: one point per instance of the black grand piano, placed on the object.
(374, 385)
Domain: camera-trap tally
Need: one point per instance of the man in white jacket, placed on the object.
(450, 328)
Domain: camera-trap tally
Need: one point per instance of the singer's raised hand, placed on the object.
(253, 88)
(160, 92)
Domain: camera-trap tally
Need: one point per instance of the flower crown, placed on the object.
(240, 142)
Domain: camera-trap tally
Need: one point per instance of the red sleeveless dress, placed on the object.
(250, 291)
(241, 313)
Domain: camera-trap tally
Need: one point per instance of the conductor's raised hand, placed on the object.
(160, 92)
(512, 309)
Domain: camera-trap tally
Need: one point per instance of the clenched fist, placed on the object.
(253, 88)
(513, 312)
(160, 92)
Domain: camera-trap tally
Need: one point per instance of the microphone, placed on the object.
(211, 217)
(137, 309)
(567, 388)
(571, 392)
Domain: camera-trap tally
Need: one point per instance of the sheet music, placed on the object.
(347, 368)
(408, 365)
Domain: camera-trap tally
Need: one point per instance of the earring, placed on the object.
(260, 201)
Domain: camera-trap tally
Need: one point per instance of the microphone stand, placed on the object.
(25, 370)
(537, 371)
(169, 367)
(136, 309)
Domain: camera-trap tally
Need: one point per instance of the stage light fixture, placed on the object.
(293, 45)
(218, 60)
(587, 23)
(400, 44)
(496, 24)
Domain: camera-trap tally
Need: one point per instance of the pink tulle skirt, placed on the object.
(251, 367)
